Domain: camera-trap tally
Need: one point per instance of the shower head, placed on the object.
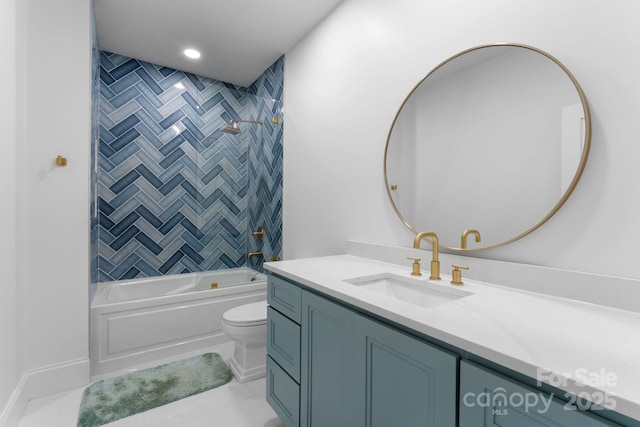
(233, 128)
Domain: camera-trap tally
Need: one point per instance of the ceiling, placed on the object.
(238, 39)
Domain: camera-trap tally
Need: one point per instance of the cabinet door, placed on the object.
(489, 399)
(327, 365)
(406, 382)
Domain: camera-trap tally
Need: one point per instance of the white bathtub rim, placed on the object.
(101, 297)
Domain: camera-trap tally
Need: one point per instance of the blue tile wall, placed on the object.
(174, 193)
(265, 166)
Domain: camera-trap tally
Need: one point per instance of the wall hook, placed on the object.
(61, 161)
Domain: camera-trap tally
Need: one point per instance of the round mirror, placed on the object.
(491, 142)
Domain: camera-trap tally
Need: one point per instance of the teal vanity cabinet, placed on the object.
(407, 382)
(283, 349)
(353, 371)
(491, 399)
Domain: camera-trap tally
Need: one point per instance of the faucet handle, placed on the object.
(456, 274)
(416, 266)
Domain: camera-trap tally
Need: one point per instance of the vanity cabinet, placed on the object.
(490, 399)
(353, 371)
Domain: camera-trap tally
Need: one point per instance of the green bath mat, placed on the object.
(114, 398)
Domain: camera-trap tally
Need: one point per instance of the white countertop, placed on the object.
(570, 342)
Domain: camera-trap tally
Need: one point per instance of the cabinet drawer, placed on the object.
(283, 394)
(283, 342)
(285, 297)
(490, 399)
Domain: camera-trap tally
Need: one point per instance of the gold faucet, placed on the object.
(252, 254)
(435, 263)
(465, 234)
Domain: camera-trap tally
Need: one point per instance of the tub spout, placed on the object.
(252, 254)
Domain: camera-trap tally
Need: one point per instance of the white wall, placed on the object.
(8, 314)
(46, 215)
(346, 79)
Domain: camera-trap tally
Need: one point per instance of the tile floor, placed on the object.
(234, 405)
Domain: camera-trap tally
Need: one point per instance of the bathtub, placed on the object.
(138, 321)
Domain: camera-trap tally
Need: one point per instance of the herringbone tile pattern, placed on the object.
(174, 193)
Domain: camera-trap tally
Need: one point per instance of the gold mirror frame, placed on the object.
(572, 185)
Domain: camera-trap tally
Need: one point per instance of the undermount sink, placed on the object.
(415, 291)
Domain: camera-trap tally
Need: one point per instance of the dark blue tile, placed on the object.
(190, 189)
(149, 107)
(229, 204)
(148, 80)
(165, 71)
(196, 81)
(213, 101)
(229, 228)
(172, 158)
(105, 60)
(132, 273)
(171, 119)
(164, 268)
(105, 150)
(105, 207)
(171, 184)
(149, 176)
(208, 201)
(169, 225)
(172, 145)
(229, 109)
(193, 103)
(192, 140)
(124, 238)
(191, 228)
(152, 70)
(124, 125)
(148, 243)
(105, 221)
(149, 216)
(149, 135)
(196, 244)
(124, 182)
(195, 256)
(124, 69)
(228, 262)
(105, 77)
(125, 139)
(124, 224)
(193, 128)
(209, 176)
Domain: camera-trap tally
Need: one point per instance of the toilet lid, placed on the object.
(247, 315)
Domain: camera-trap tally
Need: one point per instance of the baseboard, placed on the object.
(41, 382)
(10, 416)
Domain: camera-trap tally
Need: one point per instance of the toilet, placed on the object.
(246, 325)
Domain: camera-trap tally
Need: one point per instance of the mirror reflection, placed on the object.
(492, 140)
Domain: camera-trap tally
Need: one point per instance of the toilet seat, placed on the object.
(254, 314)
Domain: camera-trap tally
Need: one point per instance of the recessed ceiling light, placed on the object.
(192, 53)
